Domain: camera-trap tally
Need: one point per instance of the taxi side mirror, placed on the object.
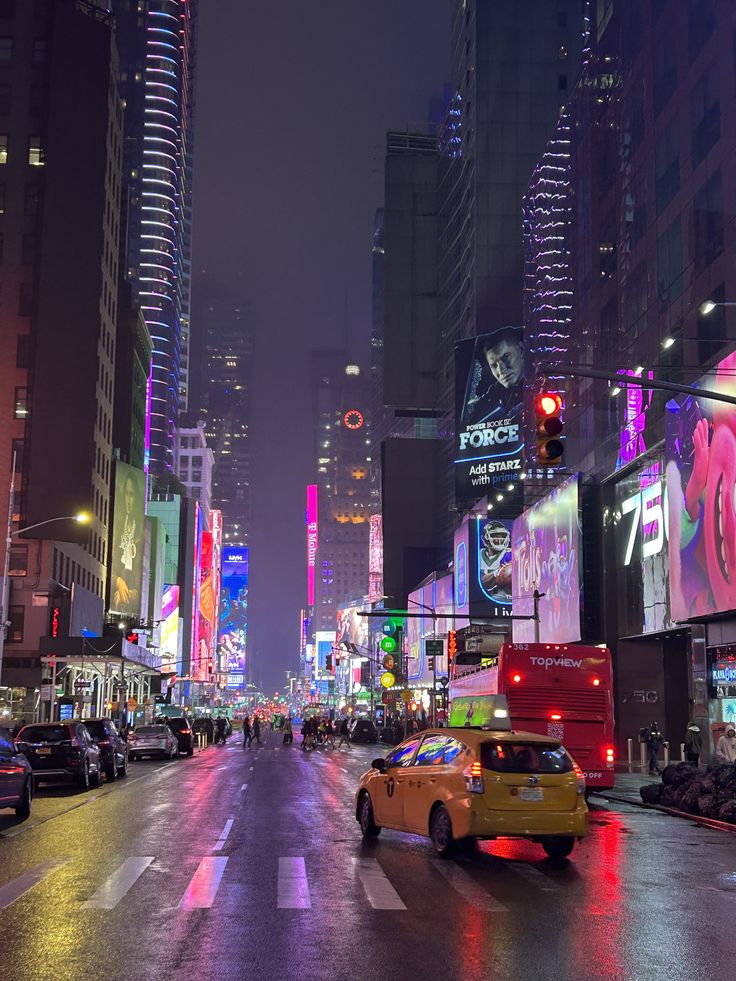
(379, 764)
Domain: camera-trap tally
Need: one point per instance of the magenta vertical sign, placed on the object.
(312, 539)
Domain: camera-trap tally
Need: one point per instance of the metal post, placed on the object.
(52, 700)
(666, 754)
(630, 752)
(682, 752)
(434, 691)
(643, 755)
(537, 597)
(5, 584)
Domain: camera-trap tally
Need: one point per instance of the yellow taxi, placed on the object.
(485, 781)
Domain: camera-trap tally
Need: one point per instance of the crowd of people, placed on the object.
(318, 731)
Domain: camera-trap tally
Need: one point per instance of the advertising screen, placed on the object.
(375, 558)
(546, 554)
(352, 628)
(492, 579)
(126, 553)
(170, 629)
(700, 452)
(489, 411)
(198, 666)
(323, 640)
(234, 612)
(312, 539)
(480, 710)
(206, 604)
(636, 522)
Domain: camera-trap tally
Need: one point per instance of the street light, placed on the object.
(81, 517)
(708, 306)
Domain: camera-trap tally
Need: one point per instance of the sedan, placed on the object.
(363, 731)
(16, 777)
(156, 740)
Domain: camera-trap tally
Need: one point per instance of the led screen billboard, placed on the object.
(234, 612)
(312, 539)
(375, 558)
(636, 523)
(198, 665)
(435, 599)
(700, 454)
(126, 552)
(492, 580)
(170, 629)
(489, 411)
(546, 545)
(324, 641)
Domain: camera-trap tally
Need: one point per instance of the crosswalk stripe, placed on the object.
(468, 888)
(204, 884)
(528, 872)
(381, 894)
(16, 887)
(293, 887)
(119, 883)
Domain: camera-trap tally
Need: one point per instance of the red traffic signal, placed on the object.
(132, 637)
(548, 408)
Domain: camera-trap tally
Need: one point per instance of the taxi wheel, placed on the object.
(440, 831)
(368, 826)
(558, 847)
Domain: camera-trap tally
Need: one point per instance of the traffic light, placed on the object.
(430, 663)
(548, 408)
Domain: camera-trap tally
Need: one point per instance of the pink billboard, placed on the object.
(312, 539)
(546, 555)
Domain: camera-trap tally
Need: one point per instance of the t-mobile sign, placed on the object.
(311, 519)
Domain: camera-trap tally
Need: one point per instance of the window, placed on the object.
(30, 204)
(634, 117)
(28, 250)
(2, 199)
(39, 51)
(701, 22)
(196, 461)
(16, 616)
(636, 209)
(665, 71)
(454, 748)
(636, 299)
(21, 403)
(562, 18)
(708, 222)
(35, 99)
(667, 165)
(562, 83)
(17, 451)
(5, 91)
(3, 148)
(7, 9)
(432, 751)
(525, 758)
(669, 265)
(402, 755)
(6, 50)
(25, 300)
(23, 351)
(18, 560)
(35, 152)
(705, 111)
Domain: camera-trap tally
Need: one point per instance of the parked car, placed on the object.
(181, 726)
(363, 731)
(16, 777)
(113, 748)
(155, 740)
(61, 751)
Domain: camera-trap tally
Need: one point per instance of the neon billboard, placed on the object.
(170, 629)
(312, 539)
(234, 613)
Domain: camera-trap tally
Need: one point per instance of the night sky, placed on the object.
(293, 103)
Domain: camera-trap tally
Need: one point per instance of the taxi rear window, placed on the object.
(525, 758)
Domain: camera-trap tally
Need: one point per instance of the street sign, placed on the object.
(46, 692)
(388, 662)
(82, 684)
(434, 648)
(406, 695)
(444, 681)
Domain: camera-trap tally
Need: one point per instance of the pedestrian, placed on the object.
(329, 734)
(257, 729)
(726, 748)
(344, 734)
(288, 734)
(209, 726)
(693, 744)
(247, 733)
(220, 725)
(654, 740)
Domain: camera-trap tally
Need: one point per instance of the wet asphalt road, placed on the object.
(249, 864)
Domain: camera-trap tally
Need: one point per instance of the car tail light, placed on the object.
(186, 732)
(596, 681)
(474, 777)
(581, 779)
(516, 678)
(609, 755)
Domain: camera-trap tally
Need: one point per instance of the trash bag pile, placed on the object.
(710, 792)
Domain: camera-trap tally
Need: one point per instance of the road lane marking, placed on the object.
(528, 872)
(17, 887)
(468, 888)
(224, 833)
(381, 894)
(204, 884)
(244, 786)
(119, 883)
(293, 887)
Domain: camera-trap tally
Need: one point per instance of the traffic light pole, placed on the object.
(583, 371)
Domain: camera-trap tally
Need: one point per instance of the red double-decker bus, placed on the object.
(564, 691)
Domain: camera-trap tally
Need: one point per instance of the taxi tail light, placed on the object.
(581, 779)
(474, 777)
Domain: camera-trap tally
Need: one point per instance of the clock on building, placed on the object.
(353, 419)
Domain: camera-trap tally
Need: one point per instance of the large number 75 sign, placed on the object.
(649, 514)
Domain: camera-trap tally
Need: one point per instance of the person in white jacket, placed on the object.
(726, 748)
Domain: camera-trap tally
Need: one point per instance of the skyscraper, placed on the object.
(156, 40)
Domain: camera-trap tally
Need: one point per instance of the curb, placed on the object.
(673, 812)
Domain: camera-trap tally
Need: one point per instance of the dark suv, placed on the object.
(113, 748)
(60, 751)
(16, 777)
(182, 728)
